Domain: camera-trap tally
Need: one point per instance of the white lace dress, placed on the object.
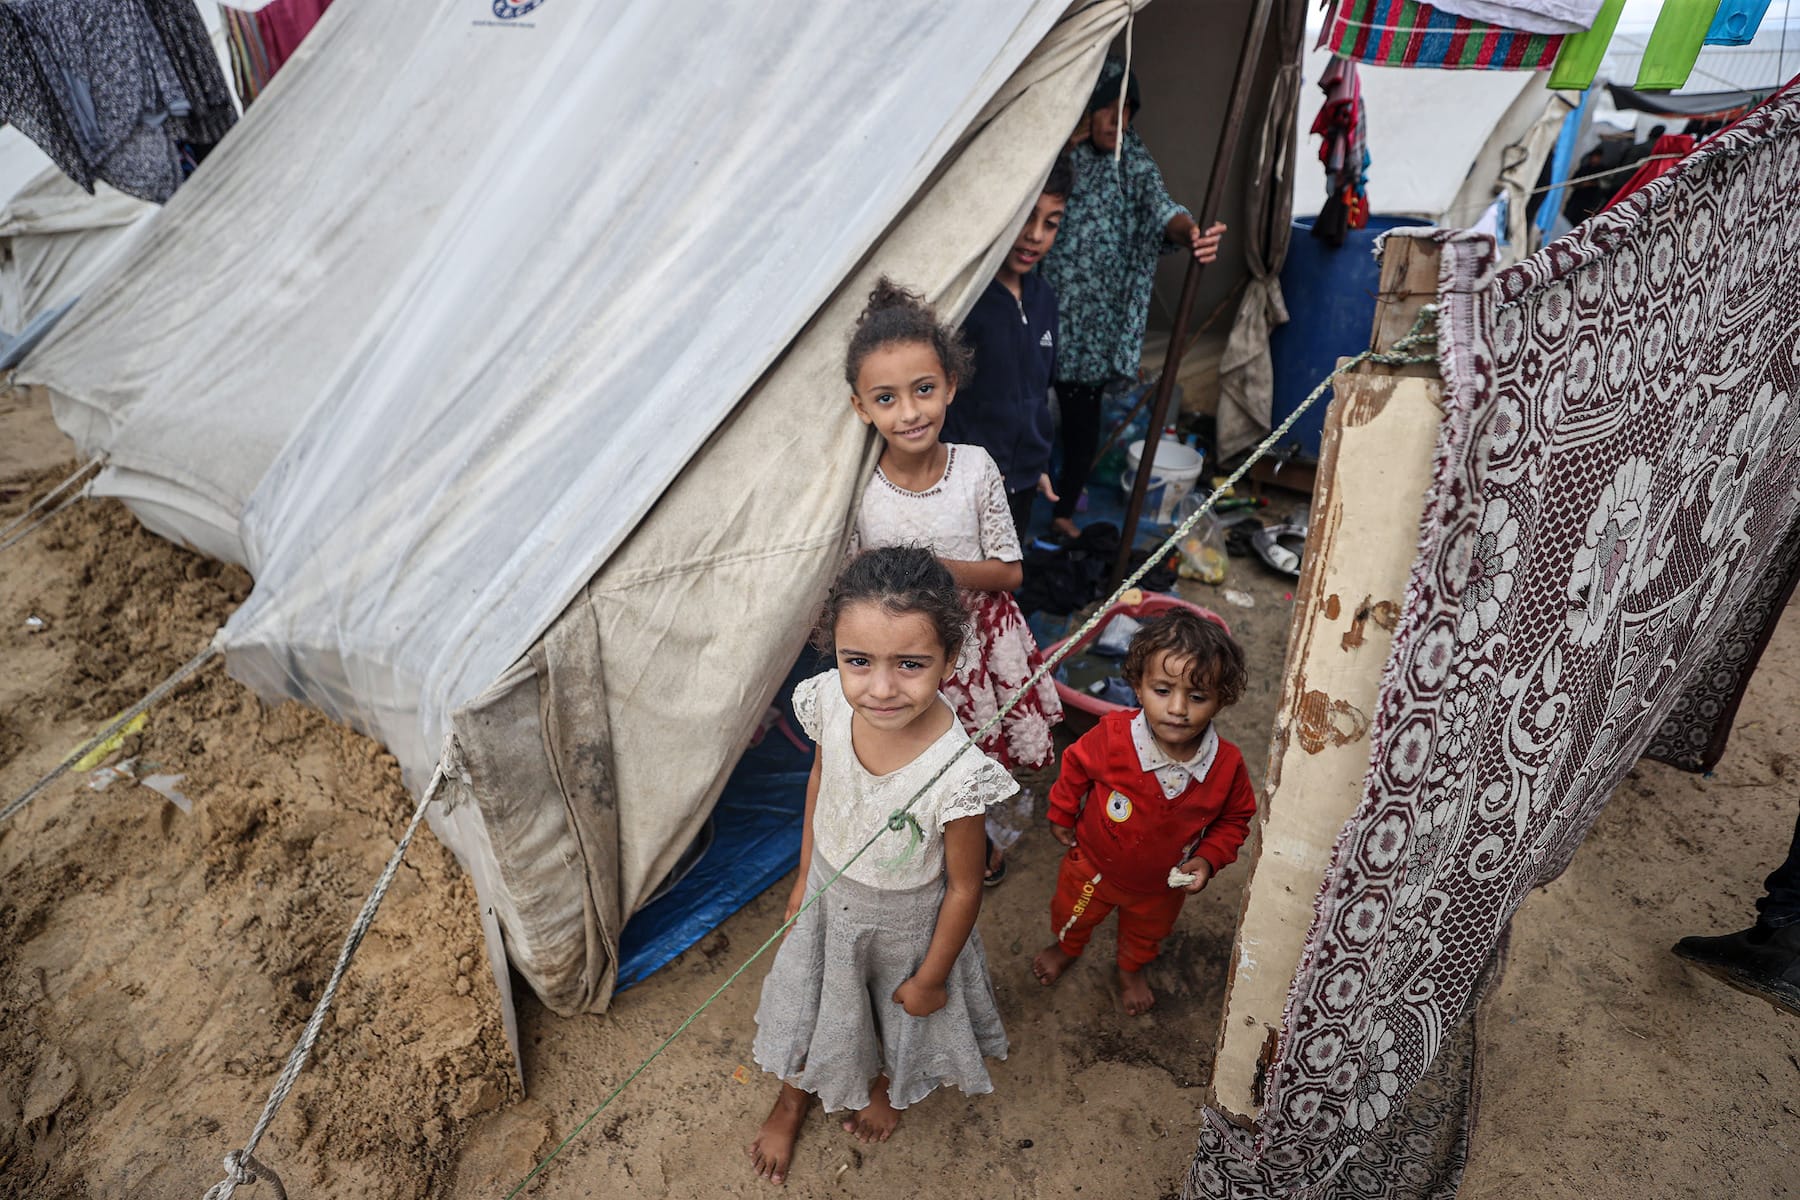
(964, 517)
(827, 1022)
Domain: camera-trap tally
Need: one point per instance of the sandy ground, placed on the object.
(155, 966)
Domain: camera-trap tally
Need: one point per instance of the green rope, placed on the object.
(901, 817)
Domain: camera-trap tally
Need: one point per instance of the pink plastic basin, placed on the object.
(1152, 604)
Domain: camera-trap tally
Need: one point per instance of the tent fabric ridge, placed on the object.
(691, 566)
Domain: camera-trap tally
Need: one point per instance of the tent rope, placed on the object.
(26, 532)
(1403, 354)
(53, 493)
(241, 1163)
(157, 693)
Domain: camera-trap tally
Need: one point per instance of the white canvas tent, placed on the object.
(518, 388)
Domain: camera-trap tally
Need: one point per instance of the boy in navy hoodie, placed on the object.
(1003, 405)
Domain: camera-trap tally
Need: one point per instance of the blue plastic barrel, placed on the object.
(1330, 298)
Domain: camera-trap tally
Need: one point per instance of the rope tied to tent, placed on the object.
(1406, 352)
(6, 538)
(240, 1164)
(182, 674)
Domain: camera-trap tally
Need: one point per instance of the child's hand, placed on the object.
(1206, 245)
(920, 999)
(1202, 872)
(1062, 833)
(1046, 489)
(796, 898)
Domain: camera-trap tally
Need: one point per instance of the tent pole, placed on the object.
(1248, 61)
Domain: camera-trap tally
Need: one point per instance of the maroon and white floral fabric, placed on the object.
(1613, 503)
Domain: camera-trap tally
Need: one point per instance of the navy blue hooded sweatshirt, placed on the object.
(1004, 404)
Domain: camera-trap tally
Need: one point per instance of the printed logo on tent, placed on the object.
(508, 12)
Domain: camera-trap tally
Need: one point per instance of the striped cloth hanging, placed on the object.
(1406, 33)
(250, 68)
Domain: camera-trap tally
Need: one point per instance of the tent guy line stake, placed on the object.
(1403, 354)
(99, 460)
(157, 693)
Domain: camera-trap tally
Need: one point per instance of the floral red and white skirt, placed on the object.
(992, 670)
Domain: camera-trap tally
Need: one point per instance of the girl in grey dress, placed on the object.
(880, 993)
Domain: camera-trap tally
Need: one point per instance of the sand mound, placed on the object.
(156, 966)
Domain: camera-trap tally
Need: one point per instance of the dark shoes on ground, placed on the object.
(1760, 961)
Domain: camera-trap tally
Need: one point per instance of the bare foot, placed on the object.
(773, 1148)
(1050, 962)
(996, 864)
(1135, 992)
(1066, 527)
(877, 1122)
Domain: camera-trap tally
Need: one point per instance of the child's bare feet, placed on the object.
(773, 1148)
(877, 1122)
(1050, 962)
(1135, 992)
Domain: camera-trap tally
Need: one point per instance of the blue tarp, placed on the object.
(756, 840)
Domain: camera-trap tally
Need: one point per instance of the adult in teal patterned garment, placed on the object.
(1120, 218)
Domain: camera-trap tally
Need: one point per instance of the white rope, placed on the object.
(53, 493)
(181, 675)
(26, 532)
(241, 1163)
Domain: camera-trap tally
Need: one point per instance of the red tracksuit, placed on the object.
(1128, 835)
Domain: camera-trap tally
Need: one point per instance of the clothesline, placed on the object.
(1550, 187)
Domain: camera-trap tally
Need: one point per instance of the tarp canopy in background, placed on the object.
(472, 405)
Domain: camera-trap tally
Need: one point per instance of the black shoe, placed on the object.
(1760, 961)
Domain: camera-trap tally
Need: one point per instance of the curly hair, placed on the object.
(896, 316)
(1215, 662)
(902, 579)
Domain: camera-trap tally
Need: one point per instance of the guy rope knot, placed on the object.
(902, 821)
(242, 1167)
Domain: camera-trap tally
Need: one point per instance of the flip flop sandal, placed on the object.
(1280, 547)
(996, 877)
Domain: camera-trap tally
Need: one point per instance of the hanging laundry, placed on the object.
(1674, 45)
(27, 103)
(1343, 123)
(1669, 149)
(1582, 53)
(262, 37)
(1736, 22)
(211, 112)
(125, 91)
(109, 74)
(250, 69)
(1528, 16)
(1405, 33)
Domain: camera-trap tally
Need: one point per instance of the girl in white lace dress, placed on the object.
(880, 993)
(902, 366)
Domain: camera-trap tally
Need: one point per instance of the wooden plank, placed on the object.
(1375, 464)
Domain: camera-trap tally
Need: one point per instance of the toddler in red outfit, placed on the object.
(1147, 797)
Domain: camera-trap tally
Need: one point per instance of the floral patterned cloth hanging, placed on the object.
(1612, 525)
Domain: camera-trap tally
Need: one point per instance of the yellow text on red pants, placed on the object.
(1084, 898)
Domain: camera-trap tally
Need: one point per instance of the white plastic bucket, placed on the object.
(1177, 467)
